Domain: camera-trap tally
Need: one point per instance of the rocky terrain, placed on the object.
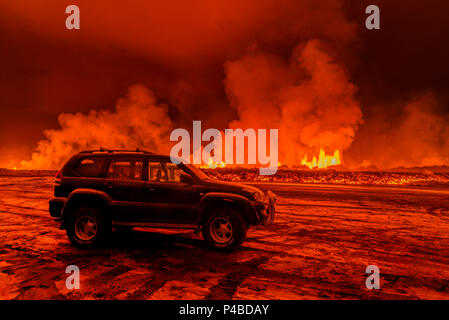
(322, 240)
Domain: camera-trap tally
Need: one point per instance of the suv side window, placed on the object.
(163, 172)
(125, 169)
(90, 167)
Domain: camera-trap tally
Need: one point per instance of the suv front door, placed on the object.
(166, 198)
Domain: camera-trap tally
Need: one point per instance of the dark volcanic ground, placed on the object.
(319, 246)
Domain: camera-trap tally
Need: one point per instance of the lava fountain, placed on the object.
(323, 160)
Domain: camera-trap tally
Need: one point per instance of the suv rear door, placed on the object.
(124, 183)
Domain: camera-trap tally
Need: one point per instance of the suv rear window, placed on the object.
(90, 167)
(125, 169)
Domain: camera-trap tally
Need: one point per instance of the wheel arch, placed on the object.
(237, 202)
(83, 197)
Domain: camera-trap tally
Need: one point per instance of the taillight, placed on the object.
(58, 176)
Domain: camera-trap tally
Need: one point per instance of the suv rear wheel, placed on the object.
(224, 229)
(86, 227)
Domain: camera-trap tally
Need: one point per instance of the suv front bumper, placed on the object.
(266, 209)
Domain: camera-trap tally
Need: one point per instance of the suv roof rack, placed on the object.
(137, 150)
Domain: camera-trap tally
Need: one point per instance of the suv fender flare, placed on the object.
(242, 203)
(83, 193)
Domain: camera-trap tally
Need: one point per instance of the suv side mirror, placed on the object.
(186, 178)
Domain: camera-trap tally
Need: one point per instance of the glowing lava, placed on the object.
(323, 160)
(211, 164)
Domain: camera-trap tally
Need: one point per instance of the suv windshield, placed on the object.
(200, 174)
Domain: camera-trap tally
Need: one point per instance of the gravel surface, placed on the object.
(319, 246)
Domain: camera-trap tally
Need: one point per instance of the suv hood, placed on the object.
(233, 187)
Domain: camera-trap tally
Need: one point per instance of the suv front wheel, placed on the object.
(224, 229)
(86, 227)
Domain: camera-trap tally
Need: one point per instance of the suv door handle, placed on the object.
(150, 187)
(109, 184)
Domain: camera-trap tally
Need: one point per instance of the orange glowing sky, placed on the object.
(194, 57)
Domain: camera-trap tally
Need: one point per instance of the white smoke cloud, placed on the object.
(137, 121)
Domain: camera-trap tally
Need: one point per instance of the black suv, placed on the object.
(98, 190)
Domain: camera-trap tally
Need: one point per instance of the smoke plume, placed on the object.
(137, 121)
(309, 98)
(418, 136)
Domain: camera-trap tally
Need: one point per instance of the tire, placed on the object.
(224, 229)
(87, 227)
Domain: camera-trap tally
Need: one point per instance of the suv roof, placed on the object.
(115, 151)
(69, 166)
